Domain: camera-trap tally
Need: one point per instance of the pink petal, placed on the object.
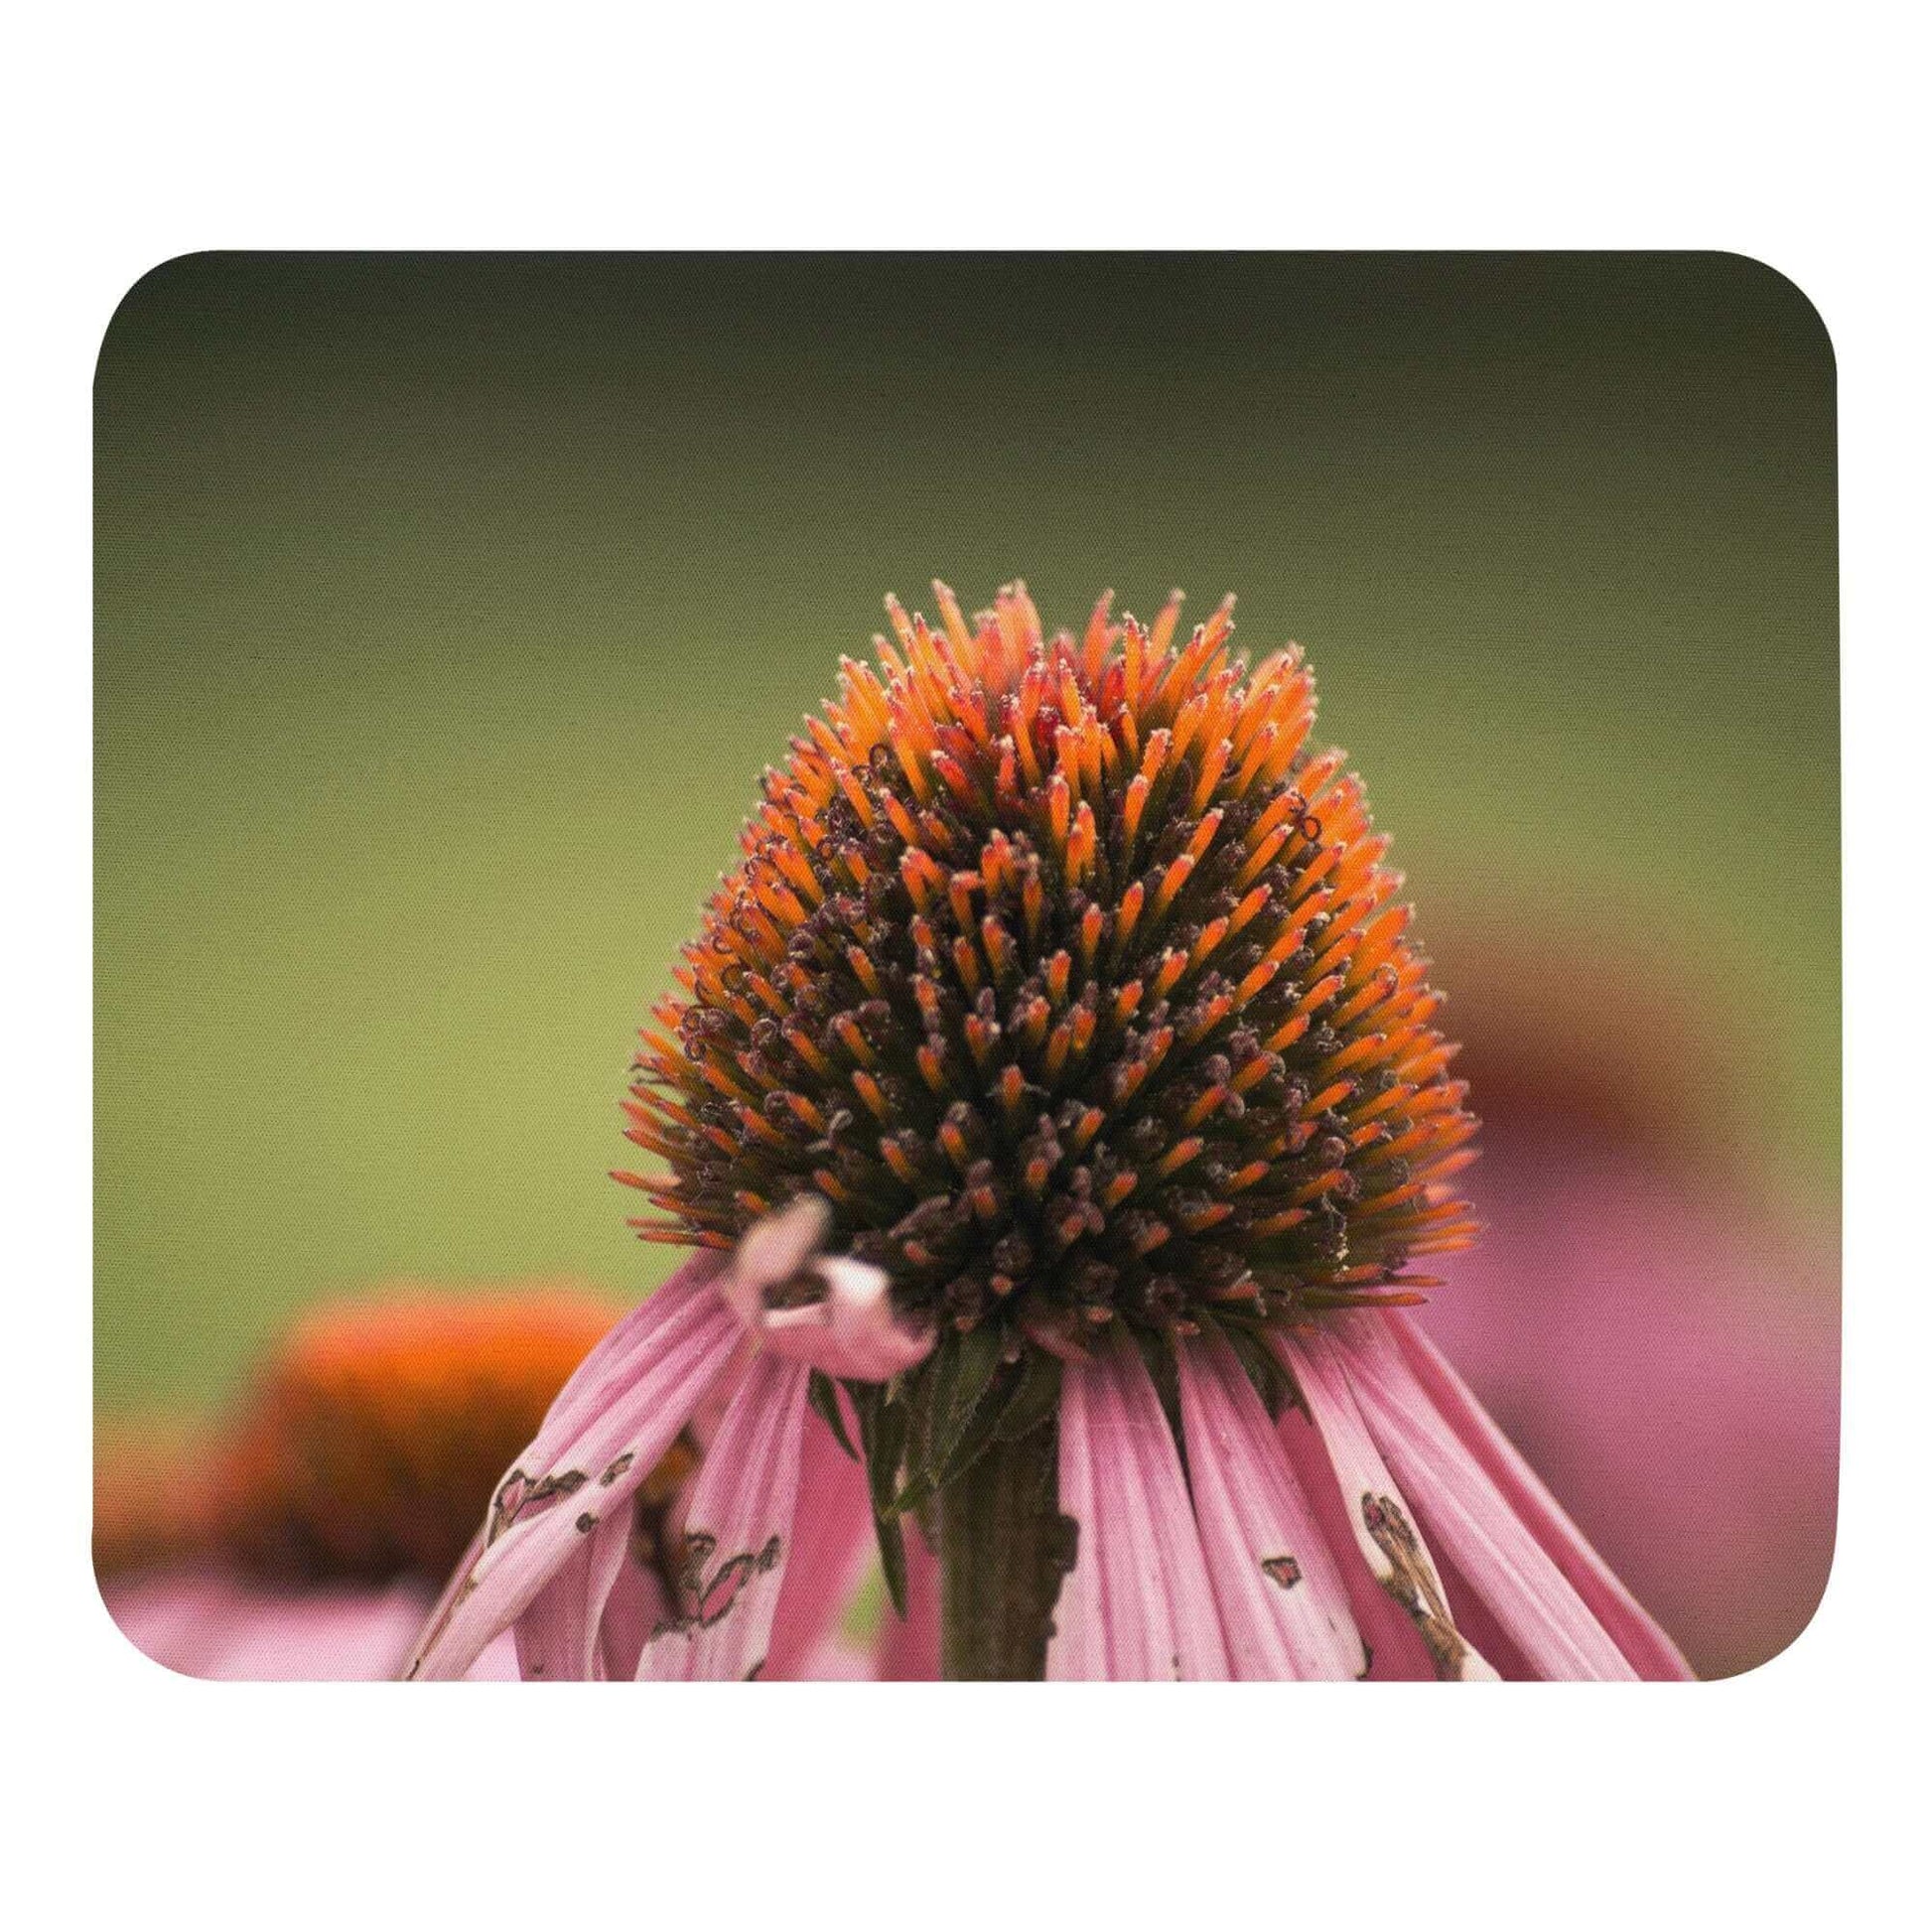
(1669, 1367)
(853, 1333)
(1526, 1590)
(1283, 1603)
(557, 1637)
(452, 1590)
(1138, 1602)
(596, 1465)
(612, 1365)
(641, 1597)
(831, 1544)
(1636, 1633)
(851, 1330)
(498, 1663)
(636, 1605)
(1078, 1650)
(1381, 1523)
(1396, 1651)
(739, 1530)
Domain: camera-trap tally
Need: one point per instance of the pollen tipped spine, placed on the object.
(1072, 980)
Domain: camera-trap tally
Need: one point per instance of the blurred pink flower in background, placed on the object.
(219, 1623)
(1675, 1385)
(1654, 1322)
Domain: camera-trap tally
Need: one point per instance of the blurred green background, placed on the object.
(448, 607)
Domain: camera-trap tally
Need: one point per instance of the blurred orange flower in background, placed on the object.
(306, 1533)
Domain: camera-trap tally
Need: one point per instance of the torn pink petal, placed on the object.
(1283, 1603)
(739, 1529)
(1078, 1650)
(831, 1544)
(446, 1602)
(641, 1601)
(773, 1251)
(1143, 1607)
(1636, 1634)
(588, 1472)
(1531, 1600)
(853, 1333)
(614, 1363)
(849, 1328)
(557, 1636)
(1380, 1520)
(636, 1605)
(1396, 1651)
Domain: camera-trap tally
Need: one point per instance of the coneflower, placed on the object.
(306, 1533)
(1055, 1096)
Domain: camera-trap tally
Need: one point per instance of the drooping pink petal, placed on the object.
(636, 1605)
(557, 1637)
(498, 1663)
(1636, 1634)
(1283, 1603)
(848, 1328)
(1138, 1602)
(1396, 1651)
(1531, 1599)
(831, 1543)
(573, 1479)
(739, 1527)
(1078, 1650)
(1664, 1352)
(612, 1365)
(1381, 1522)
(452, 1590)
(642, 1597)
(853, 1332)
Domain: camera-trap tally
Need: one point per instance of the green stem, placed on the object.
(1002, 1555)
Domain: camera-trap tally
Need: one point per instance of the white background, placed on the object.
(1792, 1795)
